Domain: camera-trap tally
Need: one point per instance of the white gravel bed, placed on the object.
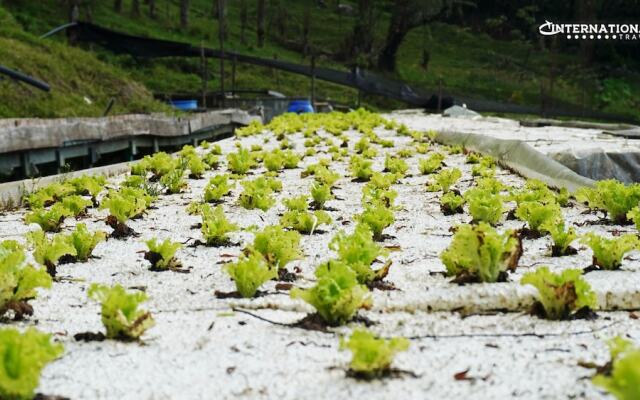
(199, 349)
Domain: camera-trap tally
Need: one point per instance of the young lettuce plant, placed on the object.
(478, 253)
(622, 378)
(359, 251)
(49, 220)
(173, 181)
(277, 246)
(372, 357)
(561, 237)
(360, 168)
(321, 193)
(18, 280)
(274, 161)
(123, 205)
(536, 215)
(431, 164)
(215, 226)
(484, 206)
(451, 203)
(377, 217)
(23, 356)
(47, 251)
(257, 194)
(608, 253)
(396, 166)
(162, 255)
(241, 162)
(304, 221)
(561, 294)
(77, 205)
(444, 180)
(49, 195)
(217, 188)
(337, 295)
(84, 241)
(612, 196)
(120, 314)
(196, 166)
(250, 272)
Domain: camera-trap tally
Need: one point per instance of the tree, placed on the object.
(117, 5)
(406, 15)
(244, 16)
(260, 22)
(152, 9)
(184, 14)
(361, 41)
(135, 7)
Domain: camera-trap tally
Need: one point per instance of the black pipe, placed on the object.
(24, 78)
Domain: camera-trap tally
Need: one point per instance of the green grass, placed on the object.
(467, 63)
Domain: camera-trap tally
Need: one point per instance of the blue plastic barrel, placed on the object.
(184, 105)
(300, 106)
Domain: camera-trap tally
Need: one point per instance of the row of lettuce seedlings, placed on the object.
(477, 253)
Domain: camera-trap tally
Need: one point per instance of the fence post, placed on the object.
(233, 75)
(203, 65)
(313, 81)
(221, 34)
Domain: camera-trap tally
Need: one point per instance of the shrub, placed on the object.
(18, 280)
(622, 379)
(377, 217)
(240, 162)
(217, 188)
(257, 194)
(84, 241)
(359, 251)
(23, 356)
(372, 356)
(161, 255)
(277, 246)
(250, 272)
(479, 253)
(360, 168)
(484, 206)
(444, 180)
(49, 220)
(536, 215)
(608, 253)
(561, 294)
(337, 295)
(120, 314)
(215, 226)
(451, 203)
(432, 164)
(47, 251)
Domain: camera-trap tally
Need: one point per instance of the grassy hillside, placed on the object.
(465, 63)
(81, 84)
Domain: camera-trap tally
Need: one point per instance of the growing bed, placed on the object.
(474, 340)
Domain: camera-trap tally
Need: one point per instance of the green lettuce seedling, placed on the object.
(18, 280)
(49, 220)
(196, 166)
(444, 179)
(291, 159)
(431, 164)
(257, 194)
(561, 238)
(173, 181)
(77, 205)
(162, 255)
(48, 195)
(396, 166)
(89, 185)
(479, 253)
(608, 253)
(359, 251)
(123, 205)
(217, 188)
(622, 379)
(120, 314)
(337, 295)
(536, 215)
(212, 160)
(372, 357)
(274, 161)
(451, 203)
(614, 197)
(47, 251)
(305, 221)
(241, 162)
(634, 215)
(360, 168)
(560, 294)
(84, 241)
(533, 191)
(23, 356)
(250, 272)
(215, 226)
(321, 193)
(484, 206)
(277, 246)
(377, 217)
